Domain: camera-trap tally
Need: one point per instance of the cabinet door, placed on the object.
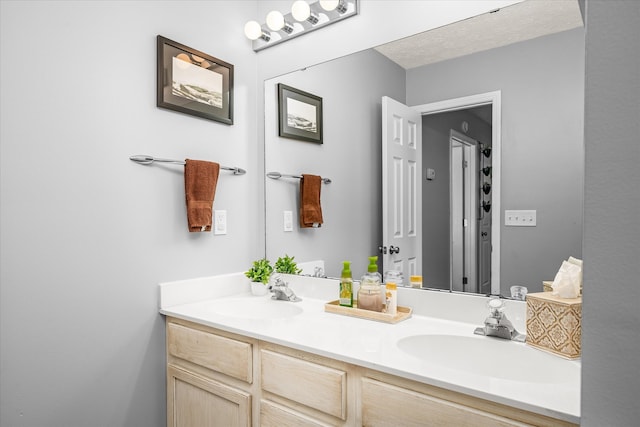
(195, 401)
(388, 405)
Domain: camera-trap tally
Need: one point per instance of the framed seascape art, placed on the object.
(193, 82)
(300, 114)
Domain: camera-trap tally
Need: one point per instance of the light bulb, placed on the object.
(329, 5)
(275, 20)
(300, 10)
(252, 30)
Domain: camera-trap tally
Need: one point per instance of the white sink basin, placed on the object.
(494, 356)
(254, 308)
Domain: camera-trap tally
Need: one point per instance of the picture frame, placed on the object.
(299, 114)
(193, 82)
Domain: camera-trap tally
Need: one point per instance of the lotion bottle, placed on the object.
(392, 298)
(346, 285)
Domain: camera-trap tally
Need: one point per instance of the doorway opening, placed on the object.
(484, 265)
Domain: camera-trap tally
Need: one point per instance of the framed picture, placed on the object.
(193, 82)
(300, 114)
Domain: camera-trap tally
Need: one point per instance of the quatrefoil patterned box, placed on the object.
(555, 324)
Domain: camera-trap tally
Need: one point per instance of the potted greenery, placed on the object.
(287, 265)
(259, 274)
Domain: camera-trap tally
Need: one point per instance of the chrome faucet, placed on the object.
(318, 272)
(282, 291)
(497, 324)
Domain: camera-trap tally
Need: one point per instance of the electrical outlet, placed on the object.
(288, 220)
(219, 222)
(520, 218)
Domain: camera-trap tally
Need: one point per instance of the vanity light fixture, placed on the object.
(301, 11)
(303, 18)
(254, 31)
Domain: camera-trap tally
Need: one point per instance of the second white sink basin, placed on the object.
(254, 308)
(494, 356)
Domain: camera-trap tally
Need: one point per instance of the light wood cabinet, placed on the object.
(308, 383)
(387, 405)
(275, 415)
(387, 400)
(220, 354)
(215, 378)
(198, 401)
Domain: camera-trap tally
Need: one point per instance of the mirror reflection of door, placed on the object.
(401, 188)
(406, 152)
(463, 196)
(459, 157)
(458, 231)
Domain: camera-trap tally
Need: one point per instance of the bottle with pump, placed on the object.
(370, 295)
(346, 285)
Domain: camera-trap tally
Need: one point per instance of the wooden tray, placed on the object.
(334, 307)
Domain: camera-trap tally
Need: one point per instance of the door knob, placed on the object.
(382, 249)
(394, 250)
(484, 234)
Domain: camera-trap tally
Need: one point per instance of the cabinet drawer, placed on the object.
(274, 415)
(388, 405)
(313, 385)
(221, 354)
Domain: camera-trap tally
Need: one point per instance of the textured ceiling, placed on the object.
(522, 21)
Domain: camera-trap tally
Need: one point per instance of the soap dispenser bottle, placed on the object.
(370, 295)
(346, 285)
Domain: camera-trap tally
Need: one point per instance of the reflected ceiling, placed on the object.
(512, 24)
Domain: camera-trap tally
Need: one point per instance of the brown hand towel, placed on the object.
(310, 209)
(200, 180)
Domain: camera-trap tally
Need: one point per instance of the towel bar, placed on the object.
(144, 159)
(278, 175)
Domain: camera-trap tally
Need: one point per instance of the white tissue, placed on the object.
(568, 280)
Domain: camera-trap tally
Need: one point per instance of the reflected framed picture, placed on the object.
(299, 114)
(192, 82)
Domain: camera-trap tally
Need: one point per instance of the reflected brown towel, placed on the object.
(310, 209)
(200, 180)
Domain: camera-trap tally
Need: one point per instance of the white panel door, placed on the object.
(401, 188)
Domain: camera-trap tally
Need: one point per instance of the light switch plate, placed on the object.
(288, 220)
(520, 218)
(219, 222)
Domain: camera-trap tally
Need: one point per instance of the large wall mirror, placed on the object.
(534, 58)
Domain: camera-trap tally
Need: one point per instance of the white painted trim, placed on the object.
(471, 251)
(494, 99)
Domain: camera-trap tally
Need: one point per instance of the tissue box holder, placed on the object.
(555, 324)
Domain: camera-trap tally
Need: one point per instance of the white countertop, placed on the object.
(516, 374)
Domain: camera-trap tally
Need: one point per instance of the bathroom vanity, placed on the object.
(236, 359)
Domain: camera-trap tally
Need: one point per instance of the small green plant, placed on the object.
(260, 271)
(287, 265)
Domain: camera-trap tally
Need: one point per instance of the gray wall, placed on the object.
(351, 93)
(87, 234)
(436, 237)
(610, 367)
(542, 84)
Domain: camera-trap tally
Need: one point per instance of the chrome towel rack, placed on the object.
(278, 175)
(145, 159)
